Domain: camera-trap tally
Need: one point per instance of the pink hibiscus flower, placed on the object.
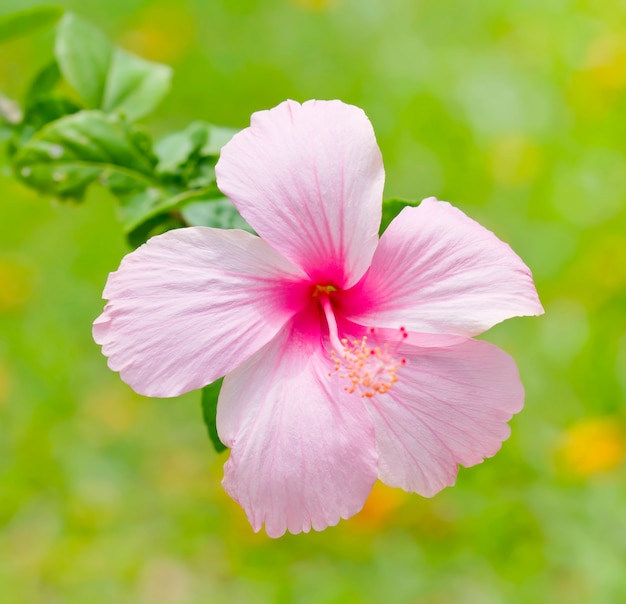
(347, 358)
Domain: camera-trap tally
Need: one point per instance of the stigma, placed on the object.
(321, 290)
(369, 369)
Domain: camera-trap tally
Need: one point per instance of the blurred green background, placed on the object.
(513, 111)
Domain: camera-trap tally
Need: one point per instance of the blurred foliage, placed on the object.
(59, 145)
(512, 111)
(23, 22)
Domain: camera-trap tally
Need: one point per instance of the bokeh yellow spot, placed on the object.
(180, 471)
(381, 505)
(597, 86)
(163, 33)
(15, 285)
(314, 4)
(112, 408)
(514, 160)
(605, 62)
(593, 446)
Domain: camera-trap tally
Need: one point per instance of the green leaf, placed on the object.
(218, 212)
(107, 77)
(137, 207)
(146, 212)
(200, 173)
(68, 154)
(135, 86)
(176, 149)
(23, 22)
(391, 208)
(43, 83)
(41, 105)
(218, 137)
(84, 56)
(37, 115)
(122, 184)
(151, 202)
(44, 110)
(155, 226)
(210, 395)
(198, 141)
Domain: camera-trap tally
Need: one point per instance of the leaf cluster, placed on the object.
(77, 125)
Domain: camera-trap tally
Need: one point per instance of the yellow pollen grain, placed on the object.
(371, 370)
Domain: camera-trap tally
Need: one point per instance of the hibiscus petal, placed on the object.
(436, 270)
(309, 179)
(192, 304)
(449, 406)
(303, 452)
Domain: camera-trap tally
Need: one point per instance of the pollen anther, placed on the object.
(370, 370)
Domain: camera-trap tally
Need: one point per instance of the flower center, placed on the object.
(368, 369)
(321, 290)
